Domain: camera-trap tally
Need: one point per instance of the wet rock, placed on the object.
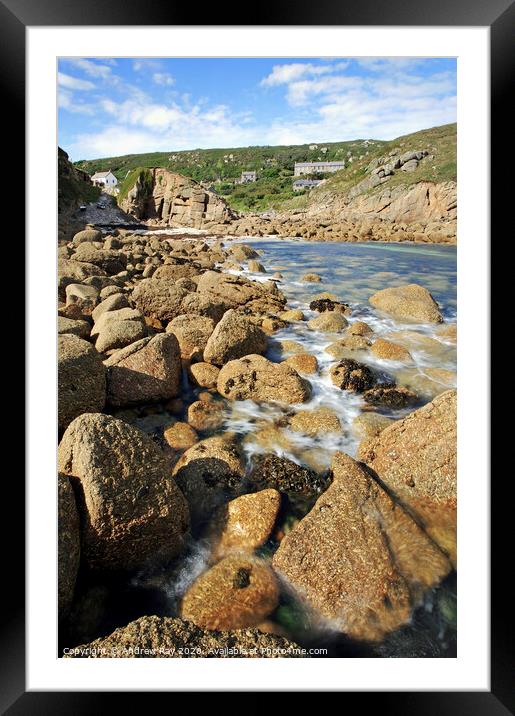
(238, 592)
(348, 374)
(311, 278)
(243, 252)
(132, 514)
(387, 350)
(256, 378)
(74, 327)
(68, 544)
(192, 332)
(180, 436)
(297, 482)
(204, 375)
(204, 415)
(81, 379)
(245, 523)
(209, 474)
(303, 363)
(448, 331)
(164, 637)
(314, 422)
(416, 458)
(234, 337)
(357, 559)
(328, 322)
(255, 266)
(368, 425)
(358, 328)
(289, 347)
(146, 371)
(294, 314)
(408, 303)
(158, 298)
(394, 397)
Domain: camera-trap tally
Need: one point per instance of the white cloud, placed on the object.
(284, 74)
(67, 101)
(144, 63)
(74, 83)
(93, 69)
(163, 78)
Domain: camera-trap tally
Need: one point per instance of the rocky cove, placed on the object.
(257, 446)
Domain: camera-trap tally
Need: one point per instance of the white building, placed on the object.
(317, 167)
(106, 179)
(247, 177)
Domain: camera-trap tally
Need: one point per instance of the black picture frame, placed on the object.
(499, 16)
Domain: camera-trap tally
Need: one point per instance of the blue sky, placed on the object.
(114, 106)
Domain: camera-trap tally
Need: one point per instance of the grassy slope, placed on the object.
(219, 168)
(274, 166)
(438, 141)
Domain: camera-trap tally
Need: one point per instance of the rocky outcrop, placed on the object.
(358, 559)
(147, 371)
(407, 303)
(161, 197)
(234, 337)
(81, 383)
(132, 514)
(164, 637)
(416, 459)
(256, 378)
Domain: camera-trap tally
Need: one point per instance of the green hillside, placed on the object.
(219, 168)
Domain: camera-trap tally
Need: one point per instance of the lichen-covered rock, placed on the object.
(180, 436)
(204, 304)
(110, 261)
(118, 328)
(87, 235)
(234, 337)
(245, 523)
(368, 425)
(209, 474)
(256, 378)
(204, 375)
(164, 637)
(146, 371)
(311, 278)
(358, 328)
(238, 592)
(204, 415)
(173, 272)
(416, 458)
(132, 514)
(68, 544)
(408, 303)
(303, 363)
(387, 350)
(358, 559)
(73, 326)
(110, 303)
(318, 421)
(81, 386)
(158, 298)
(192, 332)
(328, 322)
(85, 297)
(243, 252)
(348, 374)
(294, 314)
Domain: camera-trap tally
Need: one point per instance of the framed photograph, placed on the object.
(257, 474)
